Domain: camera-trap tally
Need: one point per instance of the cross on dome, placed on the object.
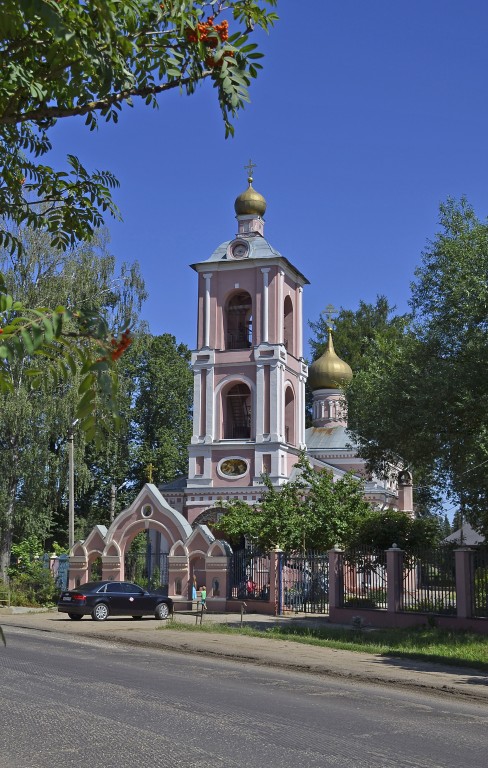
(249, 168)
(328, 312)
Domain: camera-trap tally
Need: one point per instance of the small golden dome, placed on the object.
(329, 371)
(250, 202)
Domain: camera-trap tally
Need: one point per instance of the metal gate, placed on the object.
(249, 575)
(305, 582)
(149, 569)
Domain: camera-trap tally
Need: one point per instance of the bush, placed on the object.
(33, 588)
(378, 596)
(360, 602)
(438, 606)
(31, 583)
(481, 578)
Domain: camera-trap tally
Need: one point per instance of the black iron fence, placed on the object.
(305, 582)
(148, 569)
(429, 582)
(249, 575)
(480, 583)
(364, 583)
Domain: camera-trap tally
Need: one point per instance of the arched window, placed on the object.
(236, 408)
(238, 321)
(289, 416)
(288, 339)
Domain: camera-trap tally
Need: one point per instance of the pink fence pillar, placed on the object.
(394, 578)
(336, 577)
(275, 587)
(463, 558)
(217, 579)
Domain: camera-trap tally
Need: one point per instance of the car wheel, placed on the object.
(162, 611)
(75, 616)
(100, 612)
(137, 617)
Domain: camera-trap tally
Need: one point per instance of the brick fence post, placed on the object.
(463, 558)
(276, 580)
(394, 578)
(336, 578)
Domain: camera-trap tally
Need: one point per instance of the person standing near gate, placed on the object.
(203, 597)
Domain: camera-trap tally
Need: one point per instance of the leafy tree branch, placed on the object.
(67, 59)
(70, 342)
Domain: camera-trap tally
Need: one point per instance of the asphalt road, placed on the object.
(81, 702)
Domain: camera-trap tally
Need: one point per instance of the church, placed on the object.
(248, 420)
(249, 381)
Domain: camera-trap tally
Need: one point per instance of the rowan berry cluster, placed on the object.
(119, 346)
(211, 63)
(208, 33)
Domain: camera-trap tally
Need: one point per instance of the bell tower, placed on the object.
(249, 372)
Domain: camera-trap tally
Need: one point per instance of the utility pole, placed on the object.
(113, 491)
(113, 496)
(71, 490)
(71, 485)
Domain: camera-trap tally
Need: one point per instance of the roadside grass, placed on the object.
(423, 642)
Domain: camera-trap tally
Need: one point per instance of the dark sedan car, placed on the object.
(101, 599)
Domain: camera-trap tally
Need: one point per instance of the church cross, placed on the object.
(249, 168)
(328, 312)
(149, 469)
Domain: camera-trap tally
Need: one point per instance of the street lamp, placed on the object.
(71, 485)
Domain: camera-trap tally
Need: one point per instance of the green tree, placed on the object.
(160, 419)
(67, 59)
(371, 339)
(425, 396)
(457, 521)
(450, 302)
(385, 415)
(34, 422)
(156, 394)
(446, 529)
(356, 331)
(310, 512)
(379, 530)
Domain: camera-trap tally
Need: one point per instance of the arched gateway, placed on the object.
(188, 551)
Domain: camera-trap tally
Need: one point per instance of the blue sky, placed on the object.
(366, 116)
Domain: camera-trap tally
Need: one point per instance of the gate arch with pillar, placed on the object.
(186, 549)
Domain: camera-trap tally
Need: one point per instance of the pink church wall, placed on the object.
(291, 460)
(244, 371)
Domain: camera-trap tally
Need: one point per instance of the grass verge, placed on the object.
(425, 643)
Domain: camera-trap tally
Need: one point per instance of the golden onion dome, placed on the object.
(329, 371)
(250, 202)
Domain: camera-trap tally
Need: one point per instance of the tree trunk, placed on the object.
(8, 532)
